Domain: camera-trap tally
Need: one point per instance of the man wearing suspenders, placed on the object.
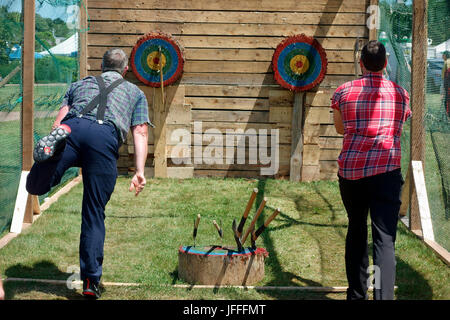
(92, 123)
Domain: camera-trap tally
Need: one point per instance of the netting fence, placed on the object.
(395, 31)
(56, 66)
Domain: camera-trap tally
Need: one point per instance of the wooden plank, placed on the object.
(254, 104)
(180, 172)
(422, 199)
(441, 252)
(239, 67)
(318, 6)
(296, 157)
(231, 116)
(231, 29)
(310, 173)
(207, 91)
(232, 173)
(27, 116)
(281, 98)
(237, 79)
(235, 54)
(159, 115)
(330, 142)
(281, 114)
(21, 204)
(418, 103)
(373, 30)
(82, 43)
(311, 154)
(318, 115)
(329, 154)
(36, 206)
(321, 98)
(328, 166)
(120, 40)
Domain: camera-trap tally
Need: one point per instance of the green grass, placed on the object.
(305, 242)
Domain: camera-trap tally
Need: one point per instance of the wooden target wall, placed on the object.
(228, 81)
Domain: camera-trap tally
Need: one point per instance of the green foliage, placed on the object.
(56, 69)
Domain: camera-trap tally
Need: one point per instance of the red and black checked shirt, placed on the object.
(373, 111)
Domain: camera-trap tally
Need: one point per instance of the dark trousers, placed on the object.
(379, 195)
(94, 148)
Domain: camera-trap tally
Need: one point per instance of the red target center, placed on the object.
(299, 64)
(156, 60)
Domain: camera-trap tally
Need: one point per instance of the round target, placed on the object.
(153, 52)
(299, 63)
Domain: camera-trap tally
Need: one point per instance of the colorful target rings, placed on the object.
(299, 63)
(155, 51)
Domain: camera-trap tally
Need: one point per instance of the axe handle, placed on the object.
(247, 210)
(218, 228)
(252, 224)
(264, 226)
(196, 225)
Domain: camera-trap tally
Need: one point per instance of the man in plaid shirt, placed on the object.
(92, 123)
(370, 113)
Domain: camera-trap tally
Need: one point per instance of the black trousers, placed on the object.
(94, 148)
(379, 195)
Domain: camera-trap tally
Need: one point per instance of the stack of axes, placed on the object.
(237, 230)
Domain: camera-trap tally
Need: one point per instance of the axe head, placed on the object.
(236, 236)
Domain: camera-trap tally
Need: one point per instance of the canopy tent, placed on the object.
(444, 46)
(68, 47)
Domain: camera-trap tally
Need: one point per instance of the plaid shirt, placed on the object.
(373, 111)
(126, 107)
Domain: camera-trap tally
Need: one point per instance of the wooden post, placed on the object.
(27, 121)
(373, 32)
(82, 39)
(159, 116)
(297, 138)
(418, 80)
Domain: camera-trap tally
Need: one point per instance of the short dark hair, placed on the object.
(446, 54)
(373, 56)
(114, 60)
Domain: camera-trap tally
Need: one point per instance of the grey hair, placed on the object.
(114, 60)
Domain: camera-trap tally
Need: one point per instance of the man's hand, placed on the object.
(137, 183)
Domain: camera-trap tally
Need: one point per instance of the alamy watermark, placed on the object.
(74, 281)
(374, 279)
(215, 146)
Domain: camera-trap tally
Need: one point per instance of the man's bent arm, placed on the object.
(140, 136)
(61, 114)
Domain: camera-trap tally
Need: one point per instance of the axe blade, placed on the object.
(236, 237)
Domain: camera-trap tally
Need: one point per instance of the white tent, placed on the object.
(444, 46)
(66, 48)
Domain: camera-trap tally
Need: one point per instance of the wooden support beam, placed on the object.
(82, 39)
(373, 30)
(27, 118)
(297, 137)
(418, 81)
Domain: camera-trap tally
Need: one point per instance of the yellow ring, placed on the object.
(151, 60)
(299, 64)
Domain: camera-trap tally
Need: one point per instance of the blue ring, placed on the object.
(316, 64)
(158, 42)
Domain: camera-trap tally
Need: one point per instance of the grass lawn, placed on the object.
(305, 242)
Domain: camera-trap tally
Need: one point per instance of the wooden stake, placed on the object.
(418, 81)
(297, 138)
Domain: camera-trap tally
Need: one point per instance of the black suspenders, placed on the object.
(101, 98)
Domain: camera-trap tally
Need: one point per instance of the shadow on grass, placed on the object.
(40, 270)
